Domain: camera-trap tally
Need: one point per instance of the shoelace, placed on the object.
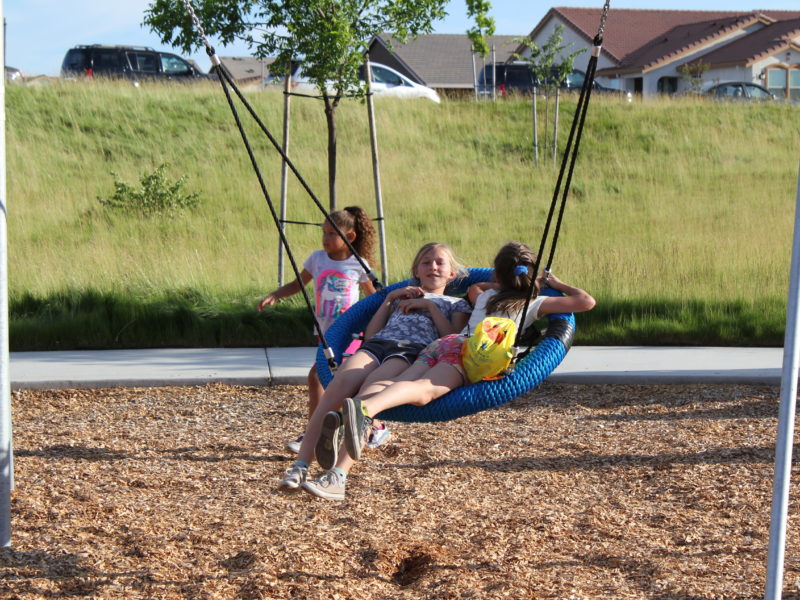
(329, 479)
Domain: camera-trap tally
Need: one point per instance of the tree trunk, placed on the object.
(330, 118)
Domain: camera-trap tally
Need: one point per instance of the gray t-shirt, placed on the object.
(418, 327)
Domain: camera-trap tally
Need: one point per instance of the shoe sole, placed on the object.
(314, 491)
(285, 486)
(327, 448)
(352, 441)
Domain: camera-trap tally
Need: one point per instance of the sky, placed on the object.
(39, 32)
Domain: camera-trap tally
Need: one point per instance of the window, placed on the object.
(667, 85)
(174, 65)
(380, 75)
(731, 90)
(574, 80)
(794, 84)
(755, 91)
(143, 62)
(106, 61)
(776, 82)
(75, 61)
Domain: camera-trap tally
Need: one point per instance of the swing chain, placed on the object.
(199, 27)
(603, 17)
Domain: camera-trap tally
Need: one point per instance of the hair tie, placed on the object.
(520, 270)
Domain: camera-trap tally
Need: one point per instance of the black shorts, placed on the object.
(382, 350)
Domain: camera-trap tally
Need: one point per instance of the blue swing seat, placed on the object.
(469, 399)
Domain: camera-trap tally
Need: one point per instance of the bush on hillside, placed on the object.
(157, 195)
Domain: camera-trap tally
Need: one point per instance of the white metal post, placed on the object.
(494, 75)
(6, 452)
(376, 172)
(474, 75)
(783, 446)
(287, 88)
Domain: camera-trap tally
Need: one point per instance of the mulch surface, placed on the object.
(570, 492)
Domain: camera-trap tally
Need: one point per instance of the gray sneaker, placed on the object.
(327, 448)
(357, 427)
(329, 485)
(294, 476)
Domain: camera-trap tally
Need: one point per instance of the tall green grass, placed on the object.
(679, 218)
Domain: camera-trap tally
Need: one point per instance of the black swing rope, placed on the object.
(569, 157)
(226, 80)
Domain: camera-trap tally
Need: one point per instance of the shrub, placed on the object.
(157, 196)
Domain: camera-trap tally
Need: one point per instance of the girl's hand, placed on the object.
(268, 301)
(406, 293)
(549, 280)
(411, 304)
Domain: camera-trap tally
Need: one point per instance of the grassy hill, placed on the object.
(679, 220)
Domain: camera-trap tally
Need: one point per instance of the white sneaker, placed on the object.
(330, 485)
(294, 445)
(378, 437)
(293, 478)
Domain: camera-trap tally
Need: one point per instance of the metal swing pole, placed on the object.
(287, 87)
(6, 447)
(786, 415)
(376, 171)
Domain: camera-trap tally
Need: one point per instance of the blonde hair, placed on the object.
(455, 264)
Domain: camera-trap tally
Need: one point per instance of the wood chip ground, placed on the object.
(571, 492)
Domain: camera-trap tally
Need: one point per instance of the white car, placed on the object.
(385, 82)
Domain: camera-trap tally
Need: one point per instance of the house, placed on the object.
(444, 62)
(247, 69)
(644, 50)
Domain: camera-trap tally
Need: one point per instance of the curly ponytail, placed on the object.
(355, 218)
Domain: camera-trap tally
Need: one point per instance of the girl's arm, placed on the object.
(576, 299)
(381, 316)
(444, 326)
(285, 291)
(367, 288)
(476, 289)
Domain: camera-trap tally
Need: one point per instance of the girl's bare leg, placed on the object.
(346, 382)
(420, 385)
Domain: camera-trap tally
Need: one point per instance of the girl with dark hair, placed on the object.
(438, 368)
(338, 278)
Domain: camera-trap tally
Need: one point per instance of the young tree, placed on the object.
(693, 73)
(329, 36)
(548, 74)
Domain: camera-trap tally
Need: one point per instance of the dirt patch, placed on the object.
(569, 492)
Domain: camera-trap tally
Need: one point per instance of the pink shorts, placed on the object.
(445, 350)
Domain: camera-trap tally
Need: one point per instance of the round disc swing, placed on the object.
(533, 364)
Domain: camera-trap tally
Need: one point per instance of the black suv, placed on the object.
(518, 77)
(128, 62)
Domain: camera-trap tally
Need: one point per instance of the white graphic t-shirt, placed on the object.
(335, 285)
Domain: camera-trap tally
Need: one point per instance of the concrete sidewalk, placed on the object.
(269, 366)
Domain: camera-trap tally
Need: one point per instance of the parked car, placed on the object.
(518, 77)
(14, 75)
(739, 90)
(385, 82)
(127, 62)
(510, 77)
